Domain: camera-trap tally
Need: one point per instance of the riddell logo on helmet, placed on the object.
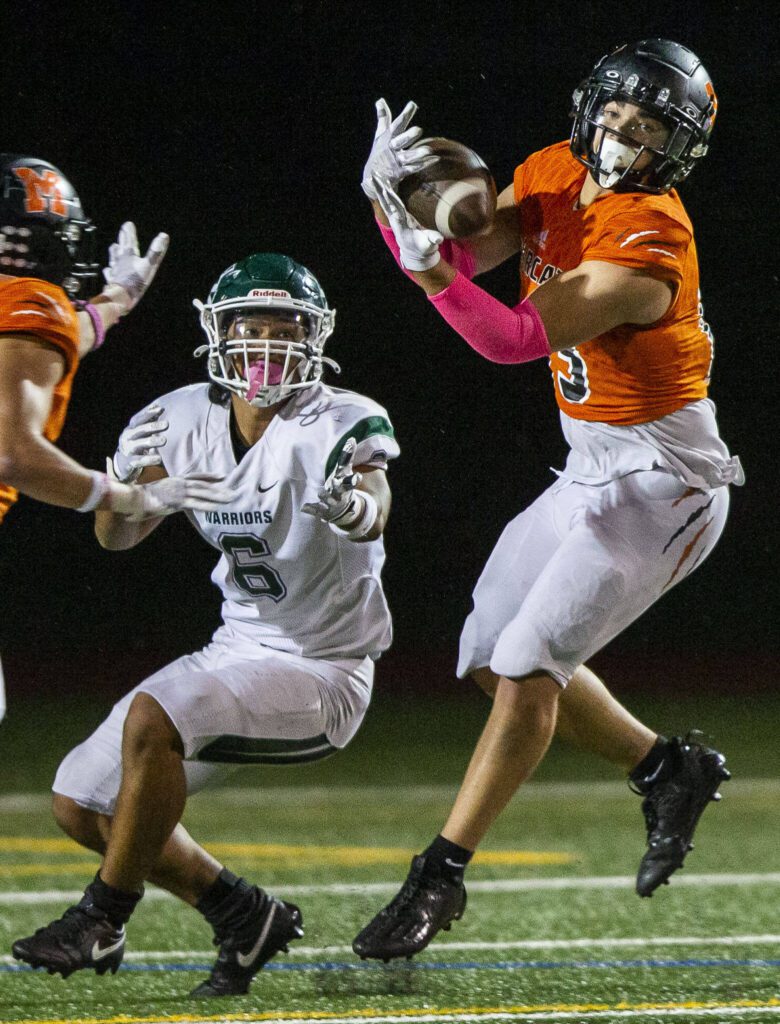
(272, 293)
(41, 191)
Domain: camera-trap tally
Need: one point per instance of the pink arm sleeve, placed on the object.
(457, 254)
(498, 333)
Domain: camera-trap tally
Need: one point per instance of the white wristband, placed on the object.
(100, 487)
(365, 520)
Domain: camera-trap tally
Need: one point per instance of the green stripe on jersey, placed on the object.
(361, 430)
(231, 749)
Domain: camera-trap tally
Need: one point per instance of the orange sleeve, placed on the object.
(30, 306)
(653, 242)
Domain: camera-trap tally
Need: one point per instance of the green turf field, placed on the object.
(552, 932)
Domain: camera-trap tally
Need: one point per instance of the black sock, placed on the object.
(651, 762)
(228, 901)
(447, 859)
(116, 904)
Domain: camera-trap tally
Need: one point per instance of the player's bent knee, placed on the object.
(81, 824)
(148, 729)
(528, 699)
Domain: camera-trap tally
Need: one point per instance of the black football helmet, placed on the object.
(669, 82)
(44, 232)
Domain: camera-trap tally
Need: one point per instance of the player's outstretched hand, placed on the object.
(173, 494)
(338, 503)
(139, 444)
(419, 246)
(128, 269)
(393, 155)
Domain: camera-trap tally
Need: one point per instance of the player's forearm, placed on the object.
(498, 333)
(375, 484)
(118, 533)
(436, 279)
(38, 469)
(108, 307)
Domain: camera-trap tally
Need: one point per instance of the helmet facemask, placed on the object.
(623, 160)
(265, 348)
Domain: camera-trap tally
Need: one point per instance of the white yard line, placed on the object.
(17, 897)
(578, 1015)
(545, 1015)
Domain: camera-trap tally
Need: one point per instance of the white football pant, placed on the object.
(232, 703)
(580, 564)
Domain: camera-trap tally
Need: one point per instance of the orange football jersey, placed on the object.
(634, 373)
(30, 306)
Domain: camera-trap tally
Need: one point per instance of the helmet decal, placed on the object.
(42, 191)
(710, 90)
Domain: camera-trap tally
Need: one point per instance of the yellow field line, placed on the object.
(26, 844)
(471, 1011)
(82, 867)
(344, 855)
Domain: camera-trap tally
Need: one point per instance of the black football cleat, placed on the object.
(243, 952)
(426, 904)
(674, 800)
(83, 937)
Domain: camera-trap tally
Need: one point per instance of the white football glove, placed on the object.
(139, 444)
(338, 503)
(393, 155)
(128, 269)
(419, 246)
(164, 497)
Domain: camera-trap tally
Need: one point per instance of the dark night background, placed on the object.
(240, 127)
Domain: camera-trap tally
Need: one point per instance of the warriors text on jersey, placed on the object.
(289, 580)
(634, 373)
(30, 306)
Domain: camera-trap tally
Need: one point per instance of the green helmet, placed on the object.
(266, 319)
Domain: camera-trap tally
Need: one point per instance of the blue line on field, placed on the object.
(455, 965)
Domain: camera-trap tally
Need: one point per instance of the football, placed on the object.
(456, 195)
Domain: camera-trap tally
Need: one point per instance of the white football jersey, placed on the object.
(289, 580)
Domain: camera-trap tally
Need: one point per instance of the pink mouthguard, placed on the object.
(257, 377)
